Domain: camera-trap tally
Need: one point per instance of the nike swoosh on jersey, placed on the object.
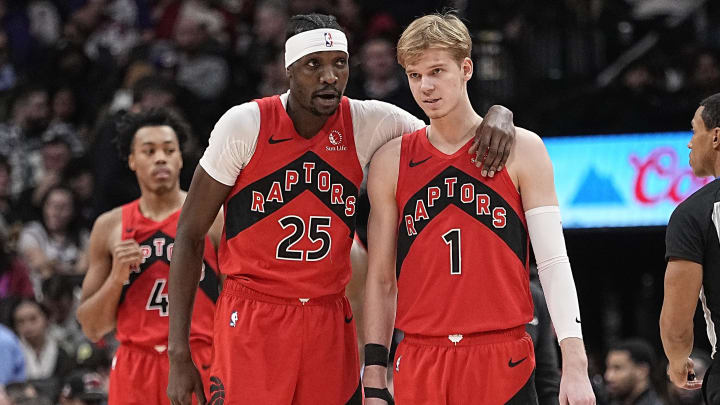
(514, 364)
(348, 320)
(272, 139)
(413, 164)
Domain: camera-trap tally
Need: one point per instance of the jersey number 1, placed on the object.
(452, 238)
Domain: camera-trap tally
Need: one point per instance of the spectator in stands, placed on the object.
(55, 154)
(25, 393)
(115, 184)
(14, 274)
(8, 73)
(629, 367)
(83, 388)
(12, 359)
(274, 77)
(200, 69)
(21, 135)
(8, 207)
(55, 244)
(45, 359)
(79, 176)
(67, 116)
(381, 77)
(58, 294)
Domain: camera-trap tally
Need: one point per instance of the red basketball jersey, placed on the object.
(142, 317)
(290, 217)
(462, 247)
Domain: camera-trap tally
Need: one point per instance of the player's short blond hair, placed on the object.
(434, 31)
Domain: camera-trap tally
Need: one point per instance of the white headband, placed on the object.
(319, 40)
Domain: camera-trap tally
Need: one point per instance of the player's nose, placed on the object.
(328, 75)
(426, 84)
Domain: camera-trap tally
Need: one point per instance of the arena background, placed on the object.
(565, 67)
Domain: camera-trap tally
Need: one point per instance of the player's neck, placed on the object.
(305, 122)
(160, 205)
(454, 130)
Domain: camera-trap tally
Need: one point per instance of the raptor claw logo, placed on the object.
(217, 392)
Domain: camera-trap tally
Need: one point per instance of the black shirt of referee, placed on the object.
(693, 255)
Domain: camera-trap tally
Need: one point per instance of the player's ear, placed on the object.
(716, 137)
(131, 161)
(467, 68)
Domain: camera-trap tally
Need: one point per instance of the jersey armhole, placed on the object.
(346, 113)
(127, 220)
(403, 164)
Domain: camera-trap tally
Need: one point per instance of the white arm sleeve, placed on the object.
(232, 143)
(376, 122)
(546, 235)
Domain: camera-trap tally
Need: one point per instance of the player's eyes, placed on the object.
(341, 62)
(413, 75)
(437, 70)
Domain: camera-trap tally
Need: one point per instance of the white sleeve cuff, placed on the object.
(546, 235)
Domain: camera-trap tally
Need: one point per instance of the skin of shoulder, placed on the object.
(531, 170)
(527, 152)
(107, 229)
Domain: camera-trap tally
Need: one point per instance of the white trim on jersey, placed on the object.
(234, 138)
(710, 325)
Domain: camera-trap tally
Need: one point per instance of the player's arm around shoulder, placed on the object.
(109, 259)
(381, 285)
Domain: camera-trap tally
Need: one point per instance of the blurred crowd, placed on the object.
(69, 69)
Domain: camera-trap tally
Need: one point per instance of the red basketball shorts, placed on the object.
(485, 368)
(139, 375)
(281, 351)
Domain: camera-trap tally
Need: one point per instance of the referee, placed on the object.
(693, 259)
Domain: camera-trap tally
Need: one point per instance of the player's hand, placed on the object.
(494, 139)
(575, 388)
(679, 373)
(183, 381)
(126, 256)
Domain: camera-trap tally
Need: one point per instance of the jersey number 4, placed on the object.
(316, 233)
(158, 300)
(452, 238)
